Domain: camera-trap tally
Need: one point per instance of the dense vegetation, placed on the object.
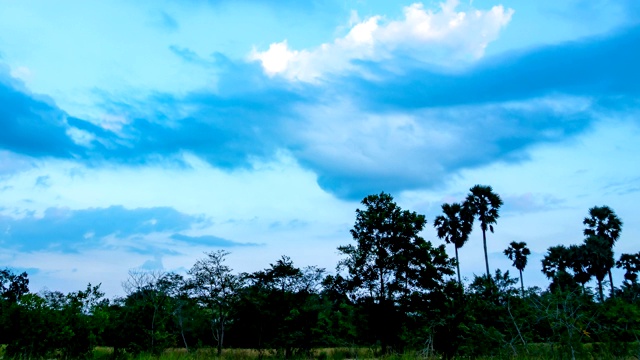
(394, 291)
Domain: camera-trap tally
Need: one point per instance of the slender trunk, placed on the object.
(181, 324)
(221, 334)
(486, 257)
(382, 303)
(600, 290)
(521, 283)
(611, 283)
(153, 325)
(458, 265)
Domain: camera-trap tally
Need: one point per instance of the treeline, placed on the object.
(393, 290)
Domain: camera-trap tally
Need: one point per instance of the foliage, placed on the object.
(392, 268)
(454, 227)
(518, 252)
(394, 296)
(485, 205)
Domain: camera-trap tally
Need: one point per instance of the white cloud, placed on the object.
(442, 37)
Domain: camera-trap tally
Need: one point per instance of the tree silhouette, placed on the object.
(454, 227)
(483, 203)
(579, 263)
(518, 252)
(554, 266)
(391, 263)
(599, 259)
(631, 264)
(216, 289)
(604, 223)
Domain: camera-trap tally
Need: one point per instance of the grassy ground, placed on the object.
(533, 352)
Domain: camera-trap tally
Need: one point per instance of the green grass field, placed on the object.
(532, 352)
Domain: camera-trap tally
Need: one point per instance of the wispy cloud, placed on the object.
(209, 240)
(71, 230)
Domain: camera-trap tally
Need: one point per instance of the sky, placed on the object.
(140, 135)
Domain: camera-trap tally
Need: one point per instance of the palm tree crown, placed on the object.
(454, 227)
(518, 252)
(484, 204)
(603, 222)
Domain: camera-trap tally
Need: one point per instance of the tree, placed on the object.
(454, 227)
(518, 252)
(146, 292)
(579, 263)
(391, 262)
(13, 286)
(604, 223)
(600, 260)
(484, 204)
(555, 264)
(216, 289)
(631, 264)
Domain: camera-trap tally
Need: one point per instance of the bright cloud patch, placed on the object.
(440, 37)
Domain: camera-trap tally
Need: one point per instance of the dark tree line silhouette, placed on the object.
(392, 289)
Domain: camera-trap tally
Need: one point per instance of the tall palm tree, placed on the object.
(604, 223)
(484, 204)
(599, 259)
(454, 227)
(518, 252)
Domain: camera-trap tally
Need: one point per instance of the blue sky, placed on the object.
(141, 134)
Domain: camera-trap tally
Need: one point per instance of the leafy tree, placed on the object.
(13, 286)
(454, 227)
(148, 295)
(518, 252)
(216, 289)
(579, 263)
(184, 307)
(484, 204)
(555, 264)
(391, 261)
(631, 264)
(279, 309)
(604, 223)
(600, 260)
(630, 287)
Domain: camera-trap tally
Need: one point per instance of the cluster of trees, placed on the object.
(392, 289)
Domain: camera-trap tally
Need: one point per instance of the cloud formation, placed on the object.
(395, 131)
(32, 125)
(441, 38)
(67, 230)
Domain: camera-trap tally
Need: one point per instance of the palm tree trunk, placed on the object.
(458, 265)
(486, 257)
(521, 283)
(611, 283)
(600, 290)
